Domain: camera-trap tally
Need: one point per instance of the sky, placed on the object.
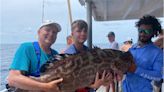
(20, 20)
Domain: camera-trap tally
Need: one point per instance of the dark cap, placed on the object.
(110, 33)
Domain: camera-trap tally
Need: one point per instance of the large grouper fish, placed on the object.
(79, 70)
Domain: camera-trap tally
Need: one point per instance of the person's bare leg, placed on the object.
(113, 86)
(107, 88)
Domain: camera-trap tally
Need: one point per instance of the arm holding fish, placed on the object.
(20, 68)
(17, 79)
(154, 74)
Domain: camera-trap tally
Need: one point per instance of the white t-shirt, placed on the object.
(113, 45)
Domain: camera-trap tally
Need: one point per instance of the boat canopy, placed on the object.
(106, 10)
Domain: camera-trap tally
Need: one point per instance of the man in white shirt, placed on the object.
(113, 43)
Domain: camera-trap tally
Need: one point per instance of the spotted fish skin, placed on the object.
(79, 70)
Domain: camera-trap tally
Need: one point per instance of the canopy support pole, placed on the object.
(89, 21)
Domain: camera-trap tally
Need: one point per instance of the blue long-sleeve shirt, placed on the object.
(149, 62)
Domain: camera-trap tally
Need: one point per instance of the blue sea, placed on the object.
(7, 52)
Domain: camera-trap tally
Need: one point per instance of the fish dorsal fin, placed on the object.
(53, 59)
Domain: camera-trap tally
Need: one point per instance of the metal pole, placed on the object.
(69, 11)
(42, 11)
(89, 21)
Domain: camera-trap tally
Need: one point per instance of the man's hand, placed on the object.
(52, 86)
(118, 76)
(132, 68)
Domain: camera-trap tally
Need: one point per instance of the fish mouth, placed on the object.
(117, 69)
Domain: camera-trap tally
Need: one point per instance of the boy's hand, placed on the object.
(104, 80)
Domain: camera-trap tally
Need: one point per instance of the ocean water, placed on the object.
(7, 52)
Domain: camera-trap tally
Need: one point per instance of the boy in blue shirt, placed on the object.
(148, 58)
(79, 33)
(31, 56)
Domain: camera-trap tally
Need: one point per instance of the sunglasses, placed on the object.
(145, 31)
